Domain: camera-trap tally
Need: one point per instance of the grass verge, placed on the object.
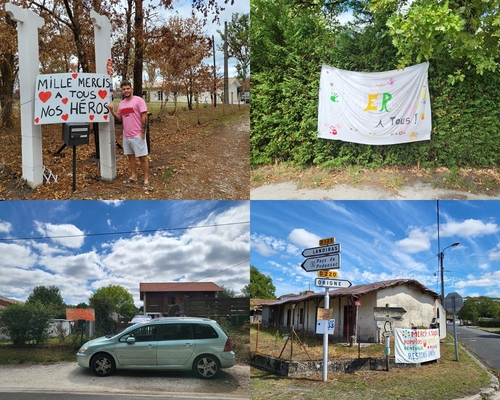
(444, 380)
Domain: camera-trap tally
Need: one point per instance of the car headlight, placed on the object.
(83, 349)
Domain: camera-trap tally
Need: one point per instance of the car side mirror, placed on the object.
(130, 339)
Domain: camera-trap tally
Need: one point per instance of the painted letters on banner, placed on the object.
(73, 97)
(377, 108)
(416, 345)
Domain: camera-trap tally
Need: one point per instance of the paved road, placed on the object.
(483, 344)
(85, 396)
(68, 377)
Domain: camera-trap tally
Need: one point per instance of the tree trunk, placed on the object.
(139, 47)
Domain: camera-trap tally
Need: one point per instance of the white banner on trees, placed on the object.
(73, 97)
(416, 345)
(376, 108)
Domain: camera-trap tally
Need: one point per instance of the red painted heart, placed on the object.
(65, 117)
(65, 100)
(37, 120)
(74, 76)
(91, 117)
(103, 94)
(44, 96)
(105, 117)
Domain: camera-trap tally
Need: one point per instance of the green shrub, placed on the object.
(26, 323)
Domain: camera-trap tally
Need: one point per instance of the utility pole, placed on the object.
(226, 67)
(215, 73)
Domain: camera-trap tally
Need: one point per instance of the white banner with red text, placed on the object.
(416, 345)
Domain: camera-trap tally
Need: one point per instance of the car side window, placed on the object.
(142, 334)
(204, 331)
(178, 331)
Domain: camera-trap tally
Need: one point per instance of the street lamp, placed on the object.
(441, 256)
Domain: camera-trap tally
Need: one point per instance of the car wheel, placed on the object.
(102, 364)
(206, 366)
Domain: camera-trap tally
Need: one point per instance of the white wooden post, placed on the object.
(28, 24)
(107, 144)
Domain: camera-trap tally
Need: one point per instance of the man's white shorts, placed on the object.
(135, 145)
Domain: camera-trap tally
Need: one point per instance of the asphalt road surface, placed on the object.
(69, 378)
(485, 345)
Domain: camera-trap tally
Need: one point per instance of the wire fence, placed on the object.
(286, 343)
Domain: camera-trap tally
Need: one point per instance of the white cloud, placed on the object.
(16, 256)
(303, 238)
(416, 242)
(5, 227)
(494, 254)
(65, 234)
(263, 249)
(468, 228)
(113, 203)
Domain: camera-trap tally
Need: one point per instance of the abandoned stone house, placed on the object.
(362, 311)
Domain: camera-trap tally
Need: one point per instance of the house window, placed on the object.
(301, 316)
(172, 300)
(160, 95)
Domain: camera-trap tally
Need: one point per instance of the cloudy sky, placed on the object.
(80, 246)
(381, 240)
(184, 9)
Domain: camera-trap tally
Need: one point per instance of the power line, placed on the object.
(223, 270)
(120, 233)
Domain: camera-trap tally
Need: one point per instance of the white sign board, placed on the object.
(322, 250)
(413, 346)
(329, 325)
(72, 97)
(376, 108)
(317, 263)
(332, 283)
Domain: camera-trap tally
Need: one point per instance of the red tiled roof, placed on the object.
(179, 287)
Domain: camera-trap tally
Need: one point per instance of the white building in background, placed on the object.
(157, 94)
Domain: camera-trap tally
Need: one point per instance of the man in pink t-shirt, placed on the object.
(133, 113)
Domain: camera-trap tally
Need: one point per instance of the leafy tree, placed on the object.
(49, 296)
(260, 286)
(107, 300)
(238, 41)
(120, 300)
(475, 308)
(26, 323)
(226, 293)
(464, 32)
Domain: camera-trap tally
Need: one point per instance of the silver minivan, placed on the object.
(180, 343)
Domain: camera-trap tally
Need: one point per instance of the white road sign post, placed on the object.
(324, 257)
(318, 263)
(332, 283)
(322, 250)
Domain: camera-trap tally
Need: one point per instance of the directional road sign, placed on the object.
(332, 283)
(322, 250)
(317, 263)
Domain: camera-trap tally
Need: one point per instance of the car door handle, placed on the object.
(150, 346)
(188, 344)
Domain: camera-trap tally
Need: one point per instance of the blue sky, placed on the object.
(169, 241)
(381, 240)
